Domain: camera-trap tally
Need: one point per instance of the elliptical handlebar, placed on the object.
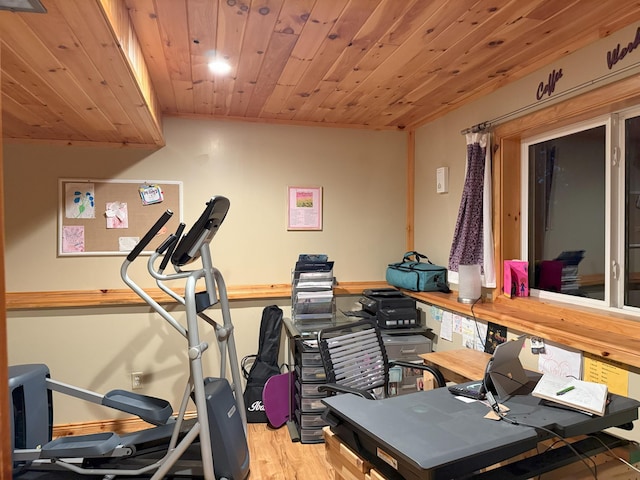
(175, 238)
(169, 241)
(153, 231)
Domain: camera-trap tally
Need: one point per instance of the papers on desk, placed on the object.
(587, 397)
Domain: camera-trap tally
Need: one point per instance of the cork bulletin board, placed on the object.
(108, 217)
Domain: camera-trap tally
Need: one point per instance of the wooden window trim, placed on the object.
(604, 333)
(611, 335)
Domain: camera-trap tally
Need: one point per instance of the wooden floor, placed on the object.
(272, 453)
(275, 456)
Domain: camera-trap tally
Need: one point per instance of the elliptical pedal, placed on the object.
(150, 409)
(92, 445)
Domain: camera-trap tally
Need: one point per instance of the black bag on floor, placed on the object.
(265, 363)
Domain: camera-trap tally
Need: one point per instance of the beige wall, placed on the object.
(363, 174)
(440, 143)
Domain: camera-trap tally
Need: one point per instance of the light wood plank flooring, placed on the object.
(274, 456)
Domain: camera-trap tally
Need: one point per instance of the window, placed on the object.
(632, 207)
(581, 212)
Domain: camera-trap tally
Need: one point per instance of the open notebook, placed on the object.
(588, 397)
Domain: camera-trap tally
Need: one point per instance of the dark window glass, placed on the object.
(567, 187)
(632, 214)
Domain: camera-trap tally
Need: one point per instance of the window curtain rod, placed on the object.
(480, 127)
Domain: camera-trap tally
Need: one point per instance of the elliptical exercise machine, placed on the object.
(218, 431)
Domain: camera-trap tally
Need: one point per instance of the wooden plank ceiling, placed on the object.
(107, 70)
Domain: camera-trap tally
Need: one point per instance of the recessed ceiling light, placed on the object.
(33, 6)
(219, 67)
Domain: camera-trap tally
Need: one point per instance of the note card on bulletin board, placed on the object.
(108, 217)
(606, 371)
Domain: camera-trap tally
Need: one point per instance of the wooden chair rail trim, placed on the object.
(612, 336)
(96, 298)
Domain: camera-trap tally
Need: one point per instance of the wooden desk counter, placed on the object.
(458, 366)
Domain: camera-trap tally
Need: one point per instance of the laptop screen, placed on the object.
(505, 370)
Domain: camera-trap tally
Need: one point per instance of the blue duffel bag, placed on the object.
(413, 274)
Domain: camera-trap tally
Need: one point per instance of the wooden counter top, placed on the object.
(614, 336)
(610, 335)
(123, 296)
(460, 365)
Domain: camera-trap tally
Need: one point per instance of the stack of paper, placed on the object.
(588, 397)
(312, 298)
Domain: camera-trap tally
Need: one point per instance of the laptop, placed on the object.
(505, 369)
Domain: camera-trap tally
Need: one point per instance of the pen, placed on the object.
(565, 390)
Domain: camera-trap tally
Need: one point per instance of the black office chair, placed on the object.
(355, 360)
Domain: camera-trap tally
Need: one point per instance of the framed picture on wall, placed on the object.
(304, 208)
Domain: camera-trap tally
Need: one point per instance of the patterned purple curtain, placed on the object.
(468, 241)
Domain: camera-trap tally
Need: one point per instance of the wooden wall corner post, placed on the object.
(496, 198)
(506, 201)
(411, 201)
(5, 415)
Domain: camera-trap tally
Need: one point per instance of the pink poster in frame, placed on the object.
(304, 208)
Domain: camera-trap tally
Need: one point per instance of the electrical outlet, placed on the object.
(136, 380)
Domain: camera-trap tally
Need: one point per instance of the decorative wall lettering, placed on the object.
(618, 53)
(550, 87)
